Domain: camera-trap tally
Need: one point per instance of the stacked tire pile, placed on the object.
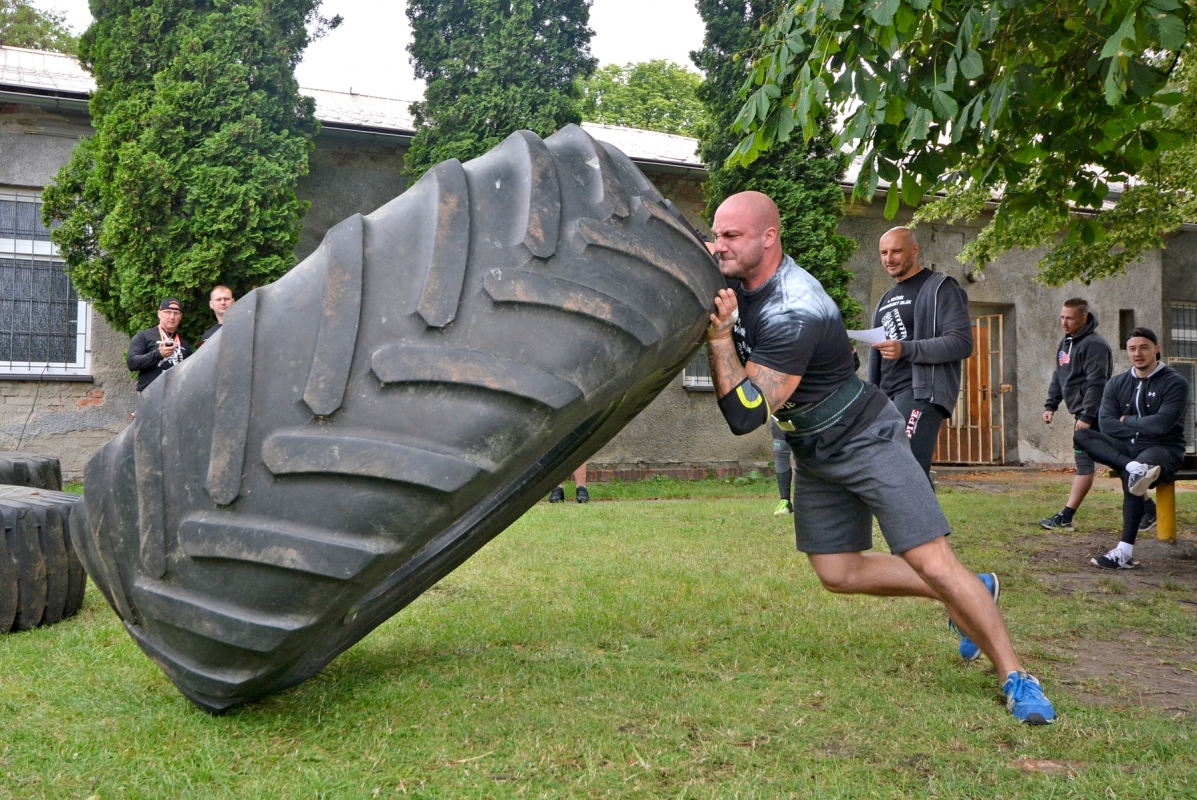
(41, 579)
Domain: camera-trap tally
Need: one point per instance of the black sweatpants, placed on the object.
(1105, 449)
(922, 426)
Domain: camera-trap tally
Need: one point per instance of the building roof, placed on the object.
(649, 146)
(57, 76)
(43, 71)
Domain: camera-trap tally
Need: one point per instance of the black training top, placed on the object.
(896, 311)
(791, 325)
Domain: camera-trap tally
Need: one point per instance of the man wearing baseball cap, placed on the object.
(1142, 434)
(157, 349)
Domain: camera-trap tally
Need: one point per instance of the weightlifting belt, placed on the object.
(809, 419)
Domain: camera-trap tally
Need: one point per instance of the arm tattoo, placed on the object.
(726, 371)
(776, 386)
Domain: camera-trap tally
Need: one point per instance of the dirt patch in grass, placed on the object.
(1134, 669)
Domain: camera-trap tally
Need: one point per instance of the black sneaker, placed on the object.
(557, 495)
(1057, 523)
(1149, 518)
(583, 495)
(1115, 559)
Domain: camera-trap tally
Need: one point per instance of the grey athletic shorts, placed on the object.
(873, 474)
(1084, 463)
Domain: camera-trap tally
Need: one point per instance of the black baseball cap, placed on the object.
(1144, 333)
(169, 303)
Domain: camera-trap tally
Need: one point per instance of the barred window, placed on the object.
(1184, 330)
(696, 377)
(44, 327)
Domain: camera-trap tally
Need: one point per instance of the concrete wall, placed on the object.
(347, 174)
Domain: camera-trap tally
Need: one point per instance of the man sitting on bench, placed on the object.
(1141, 434)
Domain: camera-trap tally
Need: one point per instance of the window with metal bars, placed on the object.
(1184, 330)
(44, 327)
(696, 377)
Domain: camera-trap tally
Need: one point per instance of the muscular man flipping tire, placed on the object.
(778, 346)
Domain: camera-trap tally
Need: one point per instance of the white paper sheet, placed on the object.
(869, 336)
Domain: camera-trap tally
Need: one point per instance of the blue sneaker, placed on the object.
(1024, 698)
(969, 650)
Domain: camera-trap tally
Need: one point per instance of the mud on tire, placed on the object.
(362, 426)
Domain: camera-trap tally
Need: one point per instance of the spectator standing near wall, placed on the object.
(928, 334)
(1084, 363)
(581, 494)
(782, 470)
(1142, 434)
(157, 349)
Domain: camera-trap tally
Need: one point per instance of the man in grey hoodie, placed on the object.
(1083, 365)
(928, 334)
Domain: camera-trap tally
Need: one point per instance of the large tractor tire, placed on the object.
(41, 578)
(362, 426)
(23, 469)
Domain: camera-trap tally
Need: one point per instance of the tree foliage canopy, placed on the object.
(22, 25)
(1048, 103)
(802, 178)
(654, 95)
(493, 67)
(200, 137)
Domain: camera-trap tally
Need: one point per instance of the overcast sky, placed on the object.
(368, 53)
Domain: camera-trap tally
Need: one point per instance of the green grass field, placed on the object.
(635, 647)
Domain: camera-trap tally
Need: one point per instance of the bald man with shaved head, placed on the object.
(779, 350)
(928, 334)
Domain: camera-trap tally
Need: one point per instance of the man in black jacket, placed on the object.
(157, 349)
(1142, 434)
(927, 334)
(1083, 366)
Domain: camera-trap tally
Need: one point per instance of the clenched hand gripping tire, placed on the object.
(363, 425)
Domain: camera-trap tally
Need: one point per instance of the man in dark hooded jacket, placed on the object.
(1142, 434)
(1083, 366)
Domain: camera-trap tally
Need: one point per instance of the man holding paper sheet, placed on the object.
(928, 334)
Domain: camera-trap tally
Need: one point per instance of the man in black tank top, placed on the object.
(778, 348)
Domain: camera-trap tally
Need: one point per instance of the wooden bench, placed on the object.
(1165, 499)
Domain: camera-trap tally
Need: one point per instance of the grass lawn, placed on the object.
(674, 647)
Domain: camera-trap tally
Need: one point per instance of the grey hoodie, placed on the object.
(1083, 365)
(943, 337)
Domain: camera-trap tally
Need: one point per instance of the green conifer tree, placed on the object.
(200, 137)
(493, 67)
(803, 179)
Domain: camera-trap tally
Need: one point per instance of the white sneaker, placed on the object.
(1115, 559)
(1141, 479)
